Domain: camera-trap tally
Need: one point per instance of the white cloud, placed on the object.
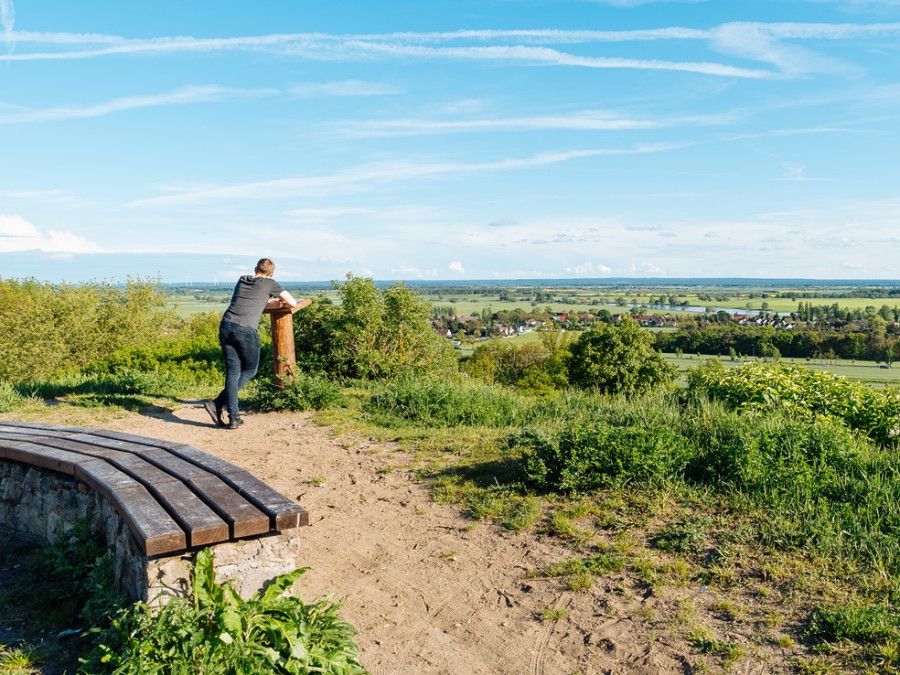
(7, 17)
(17, 234)
(588, 120)
(367, 177)
(406, 272)
(796, 172)
(181, 96)
(589, 269)
(647, 269)
(388, 46)
(52, 196)
(766, 43)
(456, 267)
(345, 88)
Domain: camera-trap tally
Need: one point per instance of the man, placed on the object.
(239, 336)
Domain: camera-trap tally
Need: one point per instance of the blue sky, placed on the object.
(458, 139)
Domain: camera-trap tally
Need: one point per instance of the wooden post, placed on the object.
(284, 357)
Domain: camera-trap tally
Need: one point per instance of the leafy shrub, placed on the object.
(532, 367)
(370, 334)
(68, 326)
(802, 392)
(216, 631)
(300, 392)
(189, 352)
(585, 457)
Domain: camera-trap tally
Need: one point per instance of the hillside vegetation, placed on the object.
(765, 480)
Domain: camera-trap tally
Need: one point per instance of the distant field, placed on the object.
(864, 371)
(184, 308)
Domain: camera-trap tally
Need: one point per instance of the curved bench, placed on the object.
(171, 497)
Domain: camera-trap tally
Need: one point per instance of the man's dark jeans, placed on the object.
(240, 347)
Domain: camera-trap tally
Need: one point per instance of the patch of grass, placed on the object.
(20, 660)
(596, 565)
(553, 613)
(684, 535)
(580, 581)
(520, 514)
(703, 641)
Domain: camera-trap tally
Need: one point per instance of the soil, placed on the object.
(432, 591)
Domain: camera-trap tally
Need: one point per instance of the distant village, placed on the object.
(517, 322)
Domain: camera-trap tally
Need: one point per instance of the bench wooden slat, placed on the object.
(284, 513)
(205, 460)
(46, 458)
(175, 465)
(138, 440)
(244, 519)
(79, 446)
(201, 524)
(47, 429)
(153, 528)
(113, 444)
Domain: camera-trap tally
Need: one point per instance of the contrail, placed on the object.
(7, 19)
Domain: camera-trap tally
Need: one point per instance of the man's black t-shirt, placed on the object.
(249, 300)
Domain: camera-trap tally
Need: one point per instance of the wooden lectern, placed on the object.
(284, 358)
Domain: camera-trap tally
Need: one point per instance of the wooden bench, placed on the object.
(173, 497)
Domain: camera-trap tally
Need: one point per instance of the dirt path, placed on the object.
(429, 592)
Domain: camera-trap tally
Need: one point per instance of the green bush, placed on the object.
(532, 367)
(300, 392)
(49, 328)
(586, 457)
(371, 334)
(216, 631)
(803, 393)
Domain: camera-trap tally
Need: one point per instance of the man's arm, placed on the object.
(285, 299)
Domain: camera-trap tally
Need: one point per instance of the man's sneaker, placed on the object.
(235, 422)
(215, 412)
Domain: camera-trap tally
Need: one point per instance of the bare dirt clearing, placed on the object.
(431, 591)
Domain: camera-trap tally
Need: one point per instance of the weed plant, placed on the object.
(216, 631)
(805, 393)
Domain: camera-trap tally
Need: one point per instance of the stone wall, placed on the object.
(41, 504)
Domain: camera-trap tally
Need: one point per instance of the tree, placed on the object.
(618, 359)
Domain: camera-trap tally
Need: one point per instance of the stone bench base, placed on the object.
(41, 504)
(154, 502)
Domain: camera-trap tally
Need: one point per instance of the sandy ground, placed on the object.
(428, 591)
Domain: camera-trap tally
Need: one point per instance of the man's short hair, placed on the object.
(265, 267)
